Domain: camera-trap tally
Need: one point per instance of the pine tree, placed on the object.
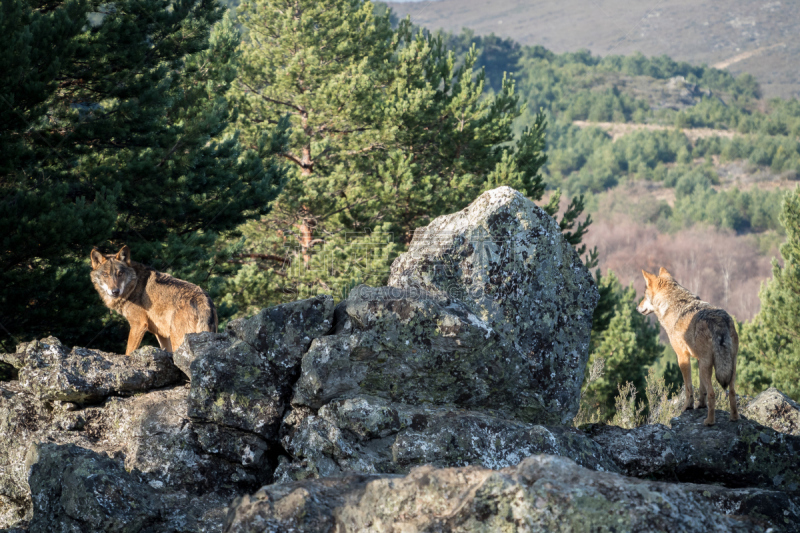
(388, 132)
(112, 133)
(770, 344)
(624, 339)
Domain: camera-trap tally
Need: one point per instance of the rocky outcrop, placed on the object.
(505, 259)
(150, 434)
(735, 454)
(373, 435)
(542, 493)
(53, 372)
(774, 409)
(80, 490)
(243, 378)
(416, 349)
(438, 403)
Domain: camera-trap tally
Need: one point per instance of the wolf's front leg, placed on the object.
(135, 337)
(164, 343)
(685, 365)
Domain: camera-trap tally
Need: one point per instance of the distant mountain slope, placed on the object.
(759, 37)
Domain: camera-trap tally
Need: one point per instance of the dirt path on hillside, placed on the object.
(618, 129)
(745, 55)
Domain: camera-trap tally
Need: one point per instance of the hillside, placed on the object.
(758, 37)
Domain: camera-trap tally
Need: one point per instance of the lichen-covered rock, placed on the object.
(54, 373)
(284, 332)
(149, 434)
(542, 493)
(368, 434)
(640, 451)
(79, 490)
(419, 349)
(735, 454)
(153, 434)
(507, 260)
(243, 378)
(412, 350)
(76, 489)
(779, 509)
(774, 409)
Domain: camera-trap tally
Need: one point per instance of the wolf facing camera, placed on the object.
(697, 329)
(167, 307)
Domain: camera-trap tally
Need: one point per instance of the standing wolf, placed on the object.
(696, 329)
(152, 301)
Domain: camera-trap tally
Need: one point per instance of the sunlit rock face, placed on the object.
(506, 260)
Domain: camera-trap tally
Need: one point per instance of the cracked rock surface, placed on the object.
(542, 493)
(509, 264)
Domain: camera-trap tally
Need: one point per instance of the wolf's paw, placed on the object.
(734, 417)
(701, 404)
(708, 422)
(688, 406)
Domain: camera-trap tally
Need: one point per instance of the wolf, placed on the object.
(152, 301)
(695, 329)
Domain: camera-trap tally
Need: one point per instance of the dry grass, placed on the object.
(720, 267)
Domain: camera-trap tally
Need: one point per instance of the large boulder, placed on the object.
(372, 435)
(416, 349)
(735, 454)
(508, 262)
(774, 409)
(243, 378)
(542, 493)
(53, 372)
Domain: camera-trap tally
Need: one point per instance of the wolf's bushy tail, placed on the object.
(208, 320)
(726, 344)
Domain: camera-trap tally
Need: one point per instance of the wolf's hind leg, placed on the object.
(706, 369)
(701, 393)
(686, 369)
(732, 397)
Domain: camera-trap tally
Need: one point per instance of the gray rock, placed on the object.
(507, 260)
(80, 490)
(735, 454)
(778, 509)
(243, 378)
(413, 350)
(372, 435)
(774, 409)
(52, 372)
(154, 435)
(150, 434)
(542, 493)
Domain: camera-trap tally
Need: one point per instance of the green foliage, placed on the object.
(770, 343)
(624, 339)
(111, 134)
(389, 130)
(741, 211)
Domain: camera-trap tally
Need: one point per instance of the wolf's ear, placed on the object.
(97, 258)
(662, 273)
(648, 277)
(124, 255)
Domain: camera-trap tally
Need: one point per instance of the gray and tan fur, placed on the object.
(152, 301)
(697, 329)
